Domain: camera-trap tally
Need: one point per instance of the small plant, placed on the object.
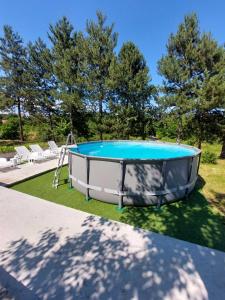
(209, 157)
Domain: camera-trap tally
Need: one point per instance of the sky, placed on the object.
(147, 23)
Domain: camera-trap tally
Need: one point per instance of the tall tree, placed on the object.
(13, 82)
(44, 82)
(222, 134)
(129, 79)
(193, 76)
(68, 67)
(100, 44)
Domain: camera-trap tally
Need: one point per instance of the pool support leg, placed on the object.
(121, 185)
(188, 177)
(87, 197)
(70, 186)
(160, 199)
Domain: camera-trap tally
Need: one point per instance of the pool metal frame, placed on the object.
(159, 196)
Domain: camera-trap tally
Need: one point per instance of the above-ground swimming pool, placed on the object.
(134, 172)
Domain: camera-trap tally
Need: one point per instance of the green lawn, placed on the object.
(201, 219)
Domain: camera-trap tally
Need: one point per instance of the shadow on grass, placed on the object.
(200, 183)
(219, 196)
(103, 262)
(218, 200)
(63, 181)
(193, 220)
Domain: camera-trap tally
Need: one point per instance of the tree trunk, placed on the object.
(199, 120)
(20, 120)
(179, 129)
(100, 119)
(143, 133)
(200, 137)
(51, 125)
(126, 136)
(222, 153)
(71, 118)
(70, 106)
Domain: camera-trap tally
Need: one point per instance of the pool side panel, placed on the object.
(144, 183)
(105, 174)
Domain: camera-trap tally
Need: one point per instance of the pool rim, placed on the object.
(133, 160)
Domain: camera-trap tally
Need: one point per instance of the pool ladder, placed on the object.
(70, 141)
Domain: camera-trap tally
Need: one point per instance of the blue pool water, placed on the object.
(133, 150)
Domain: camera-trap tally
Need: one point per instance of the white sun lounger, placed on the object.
(4, 163)
(25, 155)
(53, 147)
(46, 153)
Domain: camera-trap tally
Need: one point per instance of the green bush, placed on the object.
(61, 130)
(6, 149)
(10, 130)
(44, 133)
(191, 141)
(209, 157)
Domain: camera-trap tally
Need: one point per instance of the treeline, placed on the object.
(79, 82)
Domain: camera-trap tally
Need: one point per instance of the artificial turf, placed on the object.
(198, 220)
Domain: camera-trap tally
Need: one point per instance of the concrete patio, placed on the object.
(21, 172)
(48, 251)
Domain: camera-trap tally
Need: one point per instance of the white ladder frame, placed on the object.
(70, 141)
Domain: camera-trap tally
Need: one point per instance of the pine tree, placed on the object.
(40, 64)
(129, 79)
(13, 82)
(68, 68)
(194, 80)
(100, 44)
